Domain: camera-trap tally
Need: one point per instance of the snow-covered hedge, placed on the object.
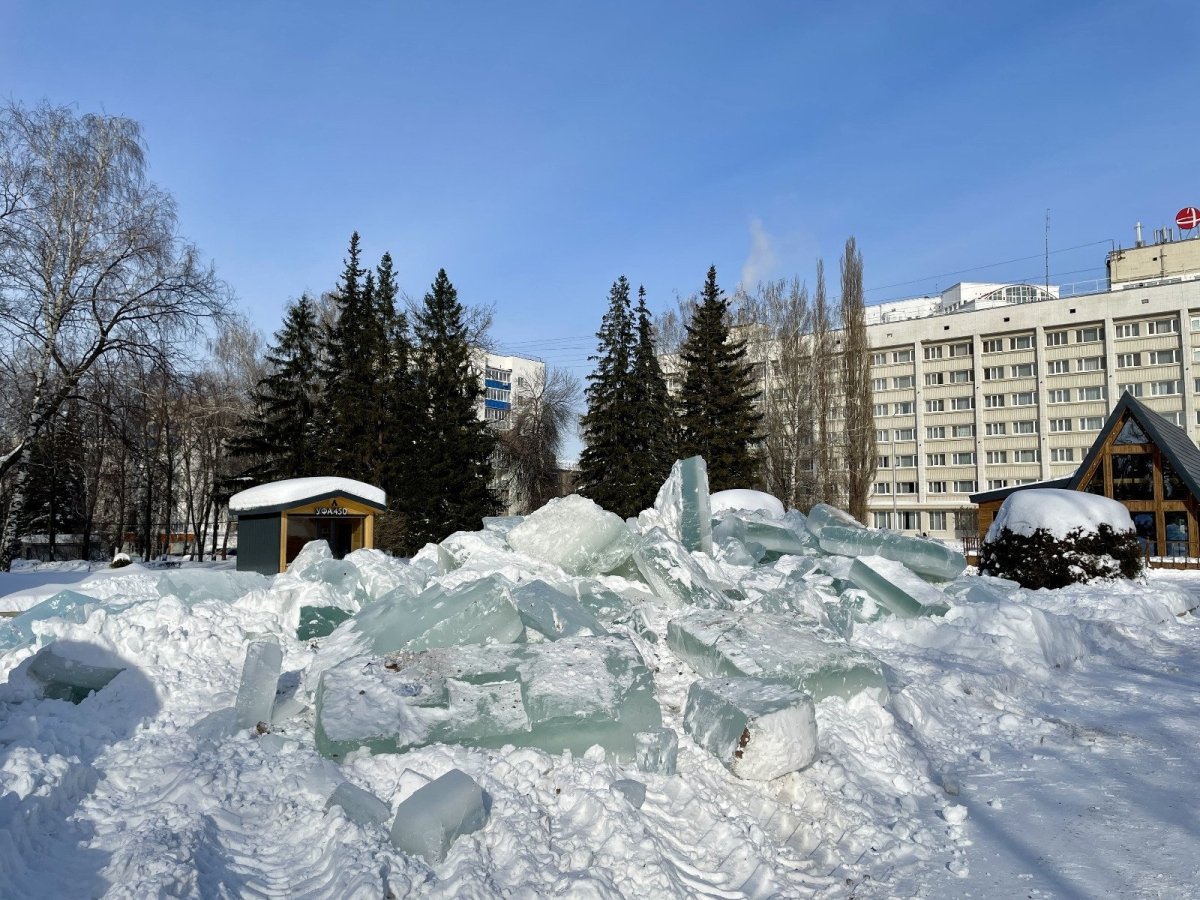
(1052, 538)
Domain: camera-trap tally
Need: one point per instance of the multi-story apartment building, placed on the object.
(990, 386)
(504, 377)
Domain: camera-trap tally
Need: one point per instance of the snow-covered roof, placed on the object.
(1059, 512)
(297, 491)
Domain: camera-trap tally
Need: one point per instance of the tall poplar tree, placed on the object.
(859, 431)
(605, 462)
(653, 434)
(451, 492)
(718, 418)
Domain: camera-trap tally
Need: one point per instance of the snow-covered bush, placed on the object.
(1051, 538)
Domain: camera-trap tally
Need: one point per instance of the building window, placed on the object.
(902, 409)
(883, 520)
(962, 403)
(935, 459)
(906, 434)
(906, 461)
(966, 458)
(1175, 418)
(992, 401)
(994, 484)
(993, 373)
(935, 406)
(997, 457)
(1163, 388)
(1025, 456)
(934, 351)
(902, 382)
(881, 436)
(494, 415)
(1089, 335)
(1060, 425)
(1128, 360)
(1096, 392)
(937, 520)
(880, 409)
(902, 356)
(910, 520)
(1062, 454)
(1089, 364)
(883, 462)
(1091, 423)
(936, 487)
(879, 359)
(1021, 342)
(959, 431)
(1025, 426)
(962, 376)
(1056, 338)
(960, 349)
(1025, 398)
(932, 378)
(1023, 370)
(966, 486)
(879, 384)
(1060, 366)
(938, 432)
(883, 487)
(906, 487)
(991, 429)
(1164, 357)
(1195, 323)
(995, 345)
(1163, 326)
(1060, 395)
(1127, 329)
(1133, 389)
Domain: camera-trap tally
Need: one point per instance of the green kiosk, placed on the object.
(276, 520)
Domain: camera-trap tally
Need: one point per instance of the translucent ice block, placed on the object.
(553, 614)
(926, 557)
(657, 751)
(574, 534)
(758, 729)
(361, 807)
(983, 589)
(502, 524)
(260, 678)
(761, 645)
(434, 816)
(776, 536)
(897, 588)
(682, 507)
(673, 574)
(69, 606)
(194, 585)
(606, 605)
(823, 515)
(633, 791)
(566, 694)
(319, 621)
(70, 671)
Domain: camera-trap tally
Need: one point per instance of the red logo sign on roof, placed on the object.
(1188, 218)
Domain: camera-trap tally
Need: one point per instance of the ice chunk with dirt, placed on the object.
(70, 670)
(674, 575)
(553, 614)
(574, 534)
(682, 508)
(900, 590)
(436, 815)
(70, 606)
(260, 679)
(561, 695)
(761, 645)
(359, 806)
(758, 729)
(657, 751)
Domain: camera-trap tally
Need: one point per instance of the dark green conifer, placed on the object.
(718, 418)
(653, 437)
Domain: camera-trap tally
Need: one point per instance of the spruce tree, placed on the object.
(653, 430)
(281, 440)
(451, 492)
(717, 413)
(605, 465)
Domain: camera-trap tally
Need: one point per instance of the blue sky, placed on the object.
(539, 150)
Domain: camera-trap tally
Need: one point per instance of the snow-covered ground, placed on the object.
(1034, 745)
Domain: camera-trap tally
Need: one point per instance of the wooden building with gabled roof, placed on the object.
(1147, 463)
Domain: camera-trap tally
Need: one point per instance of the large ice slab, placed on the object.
(319, 621)
(260, 679)
(563, 695)
(552, 614)
(823, 515)
(682, 508)
(70, 606)
(776, 536)
(436, 815)
(758, 729)
(67, 670)
(838, 533)
(760, 645)
(673, 574)
(897, 588)
(194, 585)
(657, 751)
(361, 807)
(576, 535)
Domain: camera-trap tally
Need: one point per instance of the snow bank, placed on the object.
(1059, 512)
(746, 501)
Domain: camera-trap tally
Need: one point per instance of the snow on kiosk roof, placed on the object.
(276, 520)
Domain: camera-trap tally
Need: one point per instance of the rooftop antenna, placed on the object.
(1047, 251)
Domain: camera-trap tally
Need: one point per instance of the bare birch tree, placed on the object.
(91, 266)
(527, 448)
